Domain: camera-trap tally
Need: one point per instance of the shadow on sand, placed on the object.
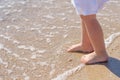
(114, 66)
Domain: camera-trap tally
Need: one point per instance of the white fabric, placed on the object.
(87, 7)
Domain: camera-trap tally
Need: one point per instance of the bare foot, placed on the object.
(80, 48)
(93, 58)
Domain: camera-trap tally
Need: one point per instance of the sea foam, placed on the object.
(110, 39)
(69, 73)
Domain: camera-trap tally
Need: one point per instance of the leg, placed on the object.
(96, 37)
(85, 45)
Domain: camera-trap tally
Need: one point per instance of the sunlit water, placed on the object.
(34, 36)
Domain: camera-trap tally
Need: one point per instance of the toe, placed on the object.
(70, 49)
(83, 59)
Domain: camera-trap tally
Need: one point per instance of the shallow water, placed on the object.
(34, 36)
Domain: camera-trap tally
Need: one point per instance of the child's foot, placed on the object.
(80, 48)
(94, 58)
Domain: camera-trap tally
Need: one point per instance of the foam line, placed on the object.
(31, 48)
(111, 38)
(69, 72)
(9, 39)
(64, 76)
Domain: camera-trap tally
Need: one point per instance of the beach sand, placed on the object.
(35, 34)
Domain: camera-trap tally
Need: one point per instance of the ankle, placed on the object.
(102, 53)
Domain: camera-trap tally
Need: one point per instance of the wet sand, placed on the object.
(35, 34)
(105, 71)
